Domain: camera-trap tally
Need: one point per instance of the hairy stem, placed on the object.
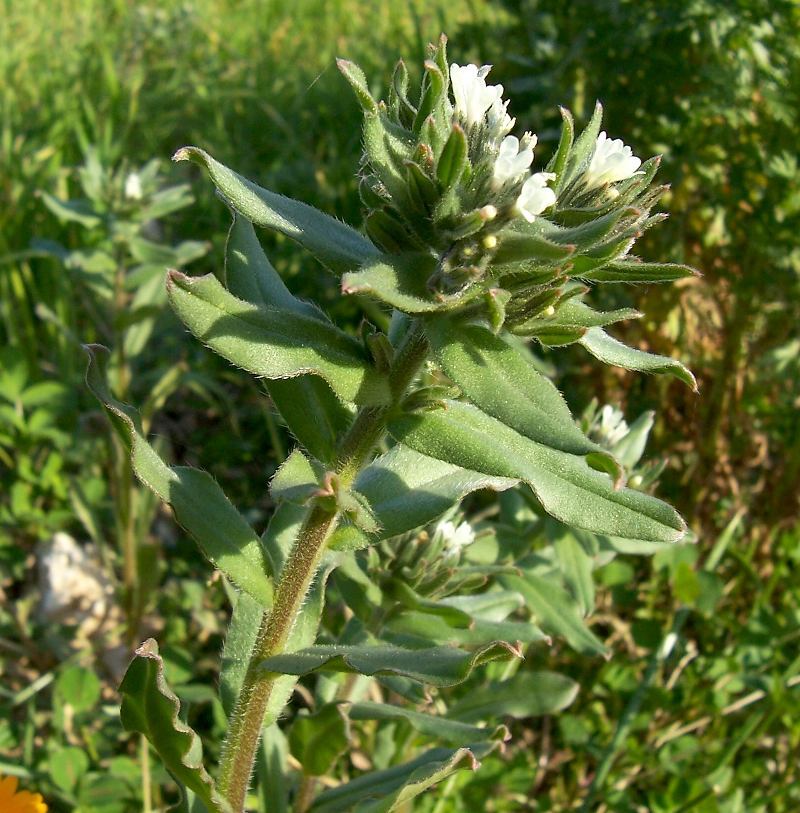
(297, 575)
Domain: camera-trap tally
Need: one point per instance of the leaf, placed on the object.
(526, 694)
(358, 81)
(315, 416)
(629, 270)
(582, 150)
(200, 505)
(66, 766)
(567, 488)
(574, 315)
(555, 610)
(610, 351)
(502, 382)
(576, 566)
(296, 480)
(150, 707)
(239, 642)
(435, 629)
(249, 275)
(407, 490)
(431, 725)
(436, 666)
(399, 280)
(383, 791)
(76, 211)
(317, 740)
(272, 342)
(79, 688)
(453, 159)
(333, 243)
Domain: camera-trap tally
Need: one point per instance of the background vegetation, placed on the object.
(707, 722)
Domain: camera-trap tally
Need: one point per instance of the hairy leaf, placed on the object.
(272, 342)
(383, 791)
(609, 350)
(437, 666)
(399, 280)
(333, 243)
(199, 503)
(150, 707)
(565, 485)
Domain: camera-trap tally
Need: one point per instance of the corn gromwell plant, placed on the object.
(474, 255)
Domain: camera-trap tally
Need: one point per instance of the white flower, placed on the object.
(473, 96)
(511, 160)
(612, 427)
(535, 196)
(500, 122)
(611, 161)
(133, 186)
(455, 538)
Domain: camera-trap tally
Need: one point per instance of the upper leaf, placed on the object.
(333, 243)
(150, 707)
(274, 342)
(609, 350)
(565, 485)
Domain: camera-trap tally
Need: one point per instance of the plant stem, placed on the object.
(298, 573)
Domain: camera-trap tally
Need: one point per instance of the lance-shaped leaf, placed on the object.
(333, 243)
(526, 694)
(555, 610)
(199, 503)
(574, 315)
(564, 484)
(632, 270)
(273, 342)
(450, 731)
(497, 378)
(435, 629)
(315, 416)
(150, 707)
(582, 150)
(297, 479)
(399, 280)
(436, 666)
(387, 790)
(609, 350)
(407, 490)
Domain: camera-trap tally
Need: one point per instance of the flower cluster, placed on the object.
(450, 189)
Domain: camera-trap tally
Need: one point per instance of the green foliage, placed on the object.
(695, 703)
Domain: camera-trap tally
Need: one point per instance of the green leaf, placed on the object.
(383, 791)
(78, 687)
(317, 740)
(453, 159)
(315, 416)
(200, 505)
(481, 632)
(559, 159)
(582, 150)
(407, 490)
(296, 480)
(74, 211)
(239, 642)
(567, 488)
(333, 243)
(436, 666)
(399, 280)
(272, 342)
(431, 725)
(150, 707)
(573, 315)
(502, 382)
(526, 694)
(576, 566)
(555, 610)
(358, 81)
(610, 351)
(67, 766)
(631, 270)
(249, 275)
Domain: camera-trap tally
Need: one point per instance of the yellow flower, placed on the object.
(22, 802)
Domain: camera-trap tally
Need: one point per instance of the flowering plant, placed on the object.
(472, 253)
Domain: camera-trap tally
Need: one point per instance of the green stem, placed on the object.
(297, 575)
